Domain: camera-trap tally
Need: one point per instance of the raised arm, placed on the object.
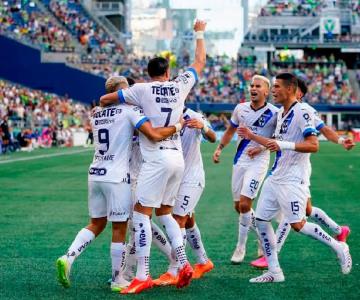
(200, 51)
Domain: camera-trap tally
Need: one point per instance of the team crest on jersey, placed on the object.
(285, 125)
(264, 118)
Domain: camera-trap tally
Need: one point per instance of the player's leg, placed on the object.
(267, 208)
(98, 214)
(321, 217)
(293, 204)
(119, 201)
(193, 235)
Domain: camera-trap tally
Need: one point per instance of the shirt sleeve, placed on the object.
(137, 117)
(234, 120)
(307, 124)
(186, 81)
(319, 123)
(131, 95)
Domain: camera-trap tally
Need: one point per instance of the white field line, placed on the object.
(45, 156)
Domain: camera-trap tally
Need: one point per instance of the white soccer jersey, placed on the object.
(136, 159)
(289, 165)
(191, 140)
(113, 129)
(163, 104)
(261, 121)
(318, 122)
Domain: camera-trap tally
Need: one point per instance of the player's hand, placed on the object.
(95, 109)
(348, 144)
(199, 25)
(216, 156)
(182, 122)
(272, 145)
(253, 151)
(194, 123)
(244, 132)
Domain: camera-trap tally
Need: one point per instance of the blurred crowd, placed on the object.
(292, 8)
(24, 21)
(32, 118)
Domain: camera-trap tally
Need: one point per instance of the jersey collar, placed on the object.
(261, 107)
(292, 105)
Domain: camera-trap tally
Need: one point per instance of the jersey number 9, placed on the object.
(103, 135)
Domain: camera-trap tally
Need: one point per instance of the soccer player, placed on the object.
(248, 171)
(109, 197)
(315, 213)
(286, 188)
(160, 175)
(191, 188)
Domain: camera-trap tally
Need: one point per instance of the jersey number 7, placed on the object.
(167, 110)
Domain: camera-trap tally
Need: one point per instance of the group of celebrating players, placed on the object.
(147, 157)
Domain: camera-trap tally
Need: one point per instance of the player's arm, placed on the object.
(130, 95)
(206, 131)
(225, 140)
(246, 133)
(159, 133)
(332, 136)
(200, 50)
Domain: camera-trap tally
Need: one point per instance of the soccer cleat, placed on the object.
(345, 259)
(201, 269)
(238, 256)
(345, 231)
(166, 279)
(137, 286)
(63, 271)
(185, 276)
(268, 277)
(260, 263)
(119, 285)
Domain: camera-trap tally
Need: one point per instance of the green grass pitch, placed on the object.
(43, 204)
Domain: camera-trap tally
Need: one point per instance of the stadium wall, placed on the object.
(22, 64)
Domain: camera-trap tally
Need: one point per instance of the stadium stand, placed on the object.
(33, 118)
(100, 47)
(24, 20)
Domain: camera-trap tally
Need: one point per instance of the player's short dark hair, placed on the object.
(302, 86)
(289, 79)
(130, 80)
(157, 66)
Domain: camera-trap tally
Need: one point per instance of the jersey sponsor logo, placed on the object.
(264, 118)
(164, 90)
(107, 112)
(184, 78)
(97, 171)
(286, 123)
(104, 121)
(165, 100)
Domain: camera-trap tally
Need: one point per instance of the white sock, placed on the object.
(282, 233)
(195, 242)
(320, 217)
(253, 221)
(316, 232)
(81, 241)
(244, 226)
(268, 241)
(183, 234)
(143, 237)
(117, 251)
(174, 233)
(130, 258)
(160, 240)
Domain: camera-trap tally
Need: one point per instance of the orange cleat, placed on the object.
(166, 279)
(185, 276)
(137, 286)
(201, 269)
(260, 263)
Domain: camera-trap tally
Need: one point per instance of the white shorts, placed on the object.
(111, 200)
(159, 180)
(247, 179)
(187, 199)
(290, 198)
